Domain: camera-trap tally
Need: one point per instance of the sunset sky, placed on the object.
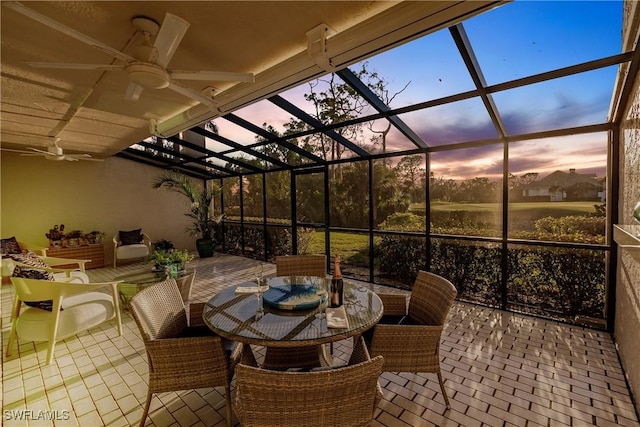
(510, 42)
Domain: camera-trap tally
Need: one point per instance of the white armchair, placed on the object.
(30, 260)
(84, 306)
(76, 274)
(126, 248)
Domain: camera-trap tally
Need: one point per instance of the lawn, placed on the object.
(521, 215)
(352, 248)
(541, 209)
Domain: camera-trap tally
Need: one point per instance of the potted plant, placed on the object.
(162, 245)
(55, 235)
(203, 221)
(73, 237)
(94, 237)
(165, 259)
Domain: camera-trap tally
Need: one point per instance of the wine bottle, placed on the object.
(337, 285)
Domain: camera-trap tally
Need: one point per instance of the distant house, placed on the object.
(562, 186)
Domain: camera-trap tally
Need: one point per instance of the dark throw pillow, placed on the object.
(29, 258)
(9, 246)
(132, 237)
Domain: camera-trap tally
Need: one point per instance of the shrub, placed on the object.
(402, 221)
(473, 267)
(570, 225)
(277, 242)
(400, 257)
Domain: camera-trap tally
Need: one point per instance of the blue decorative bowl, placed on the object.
(292, 297)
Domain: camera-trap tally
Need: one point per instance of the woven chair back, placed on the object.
(431, 299)
(159, 311)
(185, 283)
(301, 265)
(335, 397)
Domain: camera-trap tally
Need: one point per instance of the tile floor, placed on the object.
(500, 369)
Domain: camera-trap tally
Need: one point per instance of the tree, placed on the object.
(379, 86)
(442, 189)
(516, 181)
(408, 170)
(334, 101)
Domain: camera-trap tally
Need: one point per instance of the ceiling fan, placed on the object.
(146, 65)
(54, 152)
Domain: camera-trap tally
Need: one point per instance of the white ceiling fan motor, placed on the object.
(146, 73)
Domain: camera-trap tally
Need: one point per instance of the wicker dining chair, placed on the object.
(185, 283)
(179, 357)
(301, 265)
(346, 396)
(412, 342)
(302, 357)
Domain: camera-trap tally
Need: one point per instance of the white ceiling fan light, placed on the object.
(146, 66)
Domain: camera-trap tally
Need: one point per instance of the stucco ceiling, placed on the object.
(87, 109)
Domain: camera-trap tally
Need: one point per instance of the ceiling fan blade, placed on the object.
(134, 90)
(42, 154)
(169, 37)
(76, 157)
(190, 93)
(20, 8)
(39, 151)
(212, 76)
(18, 151)
(70, 66)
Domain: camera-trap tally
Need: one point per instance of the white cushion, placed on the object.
(7, 267)
(75, 277)
(132, 251)
(81, 312)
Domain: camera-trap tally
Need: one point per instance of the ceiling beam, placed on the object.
(470, 60)
(373, 99)
(271, 137)
(316, 124)
(235, 145)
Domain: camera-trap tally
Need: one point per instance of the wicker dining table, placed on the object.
(245, 318)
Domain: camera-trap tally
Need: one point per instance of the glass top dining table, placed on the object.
(245, 318)
(133, 282)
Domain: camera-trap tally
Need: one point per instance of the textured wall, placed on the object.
(110, 196)
(627, 322)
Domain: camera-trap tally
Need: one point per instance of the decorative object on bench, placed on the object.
(75, 307)
(180, 357)
(412, 342)
(55, 235)
(203, 222)
(59, 239)
(94, 237)
(130, 245)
